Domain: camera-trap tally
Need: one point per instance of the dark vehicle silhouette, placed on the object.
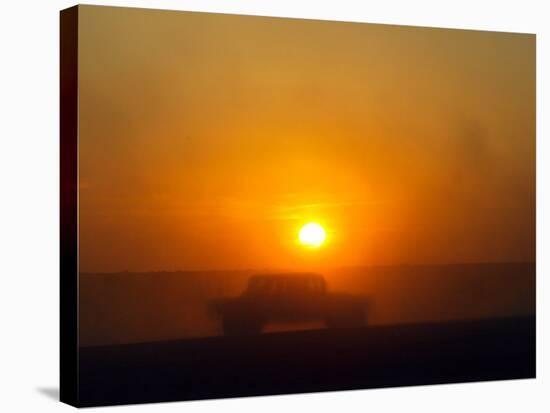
(294, 297)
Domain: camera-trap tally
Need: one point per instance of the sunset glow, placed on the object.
(212, 151)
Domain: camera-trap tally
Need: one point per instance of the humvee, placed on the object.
(294, 297)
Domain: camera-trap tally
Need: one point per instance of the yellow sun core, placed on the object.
(312, 235)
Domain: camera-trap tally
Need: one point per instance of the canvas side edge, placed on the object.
(68, 52)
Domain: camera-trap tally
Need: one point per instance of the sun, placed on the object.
(312, 235)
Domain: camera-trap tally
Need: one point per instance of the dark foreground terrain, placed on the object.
(308, 361)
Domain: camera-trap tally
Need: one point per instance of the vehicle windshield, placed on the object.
(285, 286)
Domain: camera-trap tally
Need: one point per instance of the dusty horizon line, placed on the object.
(282, 270)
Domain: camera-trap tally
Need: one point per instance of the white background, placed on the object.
(29, 207)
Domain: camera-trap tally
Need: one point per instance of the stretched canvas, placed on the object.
(256, 205)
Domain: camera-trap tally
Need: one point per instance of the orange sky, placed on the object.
(207, 140)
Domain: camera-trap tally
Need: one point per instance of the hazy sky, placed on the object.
(206, 141)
